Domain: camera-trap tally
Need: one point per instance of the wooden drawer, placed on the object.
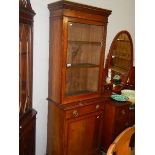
(83, 110)
(122, 112)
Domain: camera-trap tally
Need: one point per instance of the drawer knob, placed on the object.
(123, 112)
(97, 106)
(20, 127)
(75, 113)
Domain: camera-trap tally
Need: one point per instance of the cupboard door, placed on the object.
(83, 135)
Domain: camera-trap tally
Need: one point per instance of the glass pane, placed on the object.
(83, 58)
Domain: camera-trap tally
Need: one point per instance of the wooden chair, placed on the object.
(121, 145)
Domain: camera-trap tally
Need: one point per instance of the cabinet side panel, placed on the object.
(55, 130)
(55, 59)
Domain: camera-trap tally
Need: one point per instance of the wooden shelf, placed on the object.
(82, 65)
(84, 42)
(78, 93)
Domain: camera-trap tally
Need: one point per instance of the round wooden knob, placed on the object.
(97, 106)
(75, 113)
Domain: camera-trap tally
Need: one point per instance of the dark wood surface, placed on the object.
(27, 115)
(27, 126)
(26, 15)
(117, 117)
(79, 9)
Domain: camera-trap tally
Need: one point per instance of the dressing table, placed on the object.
(118, 115)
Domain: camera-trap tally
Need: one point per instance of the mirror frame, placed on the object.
(120, 86)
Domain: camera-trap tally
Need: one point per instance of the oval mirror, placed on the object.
(119, 60)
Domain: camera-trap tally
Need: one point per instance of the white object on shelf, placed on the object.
(130, 94)
(109, 73)
(68, 65)
(108, 79)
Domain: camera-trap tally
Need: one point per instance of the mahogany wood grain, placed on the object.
(75, 129)
(27, 115)
(78, 7)
(75, 112)
(27, 126)
(55, 59)
(83, 135)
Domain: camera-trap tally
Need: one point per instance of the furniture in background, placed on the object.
(121, 144)
(118, 115)
(27, 115)
(131, 82)
(76, 60)
(119, 61)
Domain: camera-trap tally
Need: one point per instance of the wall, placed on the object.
(122, 18)
(40, 72)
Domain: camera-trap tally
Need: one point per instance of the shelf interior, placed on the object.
(83, 58)
(86, 65)
(78, 93)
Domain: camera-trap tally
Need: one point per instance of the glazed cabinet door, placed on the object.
(83, 59)
(83, 134)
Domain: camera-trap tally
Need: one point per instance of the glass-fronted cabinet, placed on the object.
(77, 47)
(83, 58)
(76, 59)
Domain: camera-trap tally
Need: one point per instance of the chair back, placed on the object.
(121, 145)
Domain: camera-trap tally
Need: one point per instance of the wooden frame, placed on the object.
(107, 66)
